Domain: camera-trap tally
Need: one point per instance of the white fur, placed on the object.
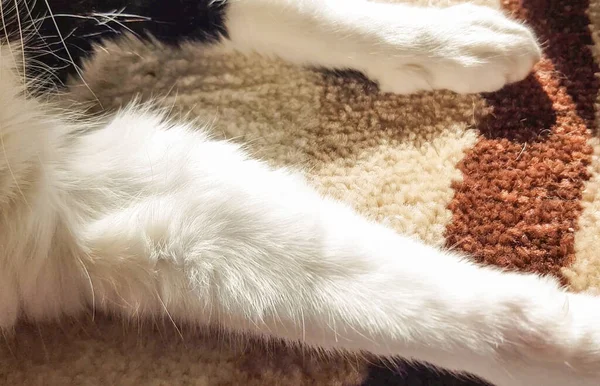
(146, 218)
(463, 48)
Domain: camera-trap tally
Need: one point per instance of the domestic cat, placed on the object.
(143, 216)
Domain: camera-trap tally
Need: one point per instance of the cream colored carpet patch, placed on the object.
(584, 273)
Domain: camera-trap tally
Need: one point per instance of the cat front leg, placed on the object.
(213, 237)
(464, 48)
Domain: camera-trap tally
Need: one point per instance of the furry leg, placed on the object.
(463, 48)
(181, 225)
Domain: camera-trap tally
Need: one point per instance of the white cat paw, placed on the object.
(463, 48)
(558, 345)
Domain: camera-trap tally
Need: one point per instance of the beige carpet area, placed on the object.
(512, 178)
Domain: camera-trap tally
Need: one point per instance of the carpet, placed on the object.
(512, 178)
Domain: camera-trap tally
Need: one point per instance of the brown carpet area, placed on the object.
(512, 178)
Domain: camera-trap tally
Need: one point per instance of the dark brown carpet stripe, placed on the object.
(518, 204)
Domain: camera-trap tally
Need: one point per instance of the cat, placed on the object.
(143, 216)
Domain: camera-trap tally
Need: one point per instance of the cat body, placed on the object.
(145, 217)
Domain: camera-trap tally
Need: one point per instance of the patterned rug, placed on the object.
(512, 178)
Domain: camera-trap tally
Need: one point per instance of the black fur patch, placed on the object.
(84, 22)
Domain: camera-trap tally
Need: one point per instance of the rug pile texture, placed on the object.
(512, 178)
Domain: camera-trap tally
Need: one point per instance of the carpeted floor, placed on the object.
(511, 177)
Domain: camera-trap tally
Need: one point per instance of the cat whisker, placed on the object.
(64, 44)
